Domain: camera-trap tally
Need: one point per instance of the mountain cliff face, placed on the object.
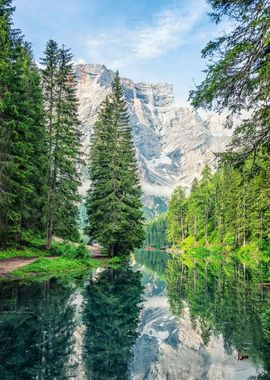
(173, 143)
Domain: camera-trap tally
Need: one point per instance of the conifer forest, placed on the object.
(135, 213)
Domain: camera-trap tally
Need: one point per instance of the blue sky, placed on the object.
(147, 40)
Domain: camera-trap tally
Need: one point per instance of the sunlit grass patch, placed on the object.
(45, 268)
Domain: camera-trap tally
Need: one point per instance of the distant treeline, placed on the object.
(231, 207)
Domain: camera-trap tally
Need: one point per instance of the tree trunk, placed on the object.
(111, 250)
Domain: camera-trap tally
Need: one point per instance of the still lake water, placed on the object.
(137, 323)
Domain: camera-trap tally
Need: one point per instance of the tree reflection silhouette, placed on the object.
(36, 331)
(224, 301)
(110, 316)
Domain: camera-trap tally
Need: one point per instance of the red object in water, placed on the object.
(242, 356)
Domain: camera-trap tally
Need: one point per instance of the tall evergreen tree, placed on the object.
(21, 120)
(114, 200)
(177, 216)
(63, 142)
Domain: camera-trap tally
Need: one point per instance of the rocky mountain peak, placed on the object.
(173, 143)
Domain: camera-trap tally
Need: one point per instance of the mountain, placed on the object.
(173, 143)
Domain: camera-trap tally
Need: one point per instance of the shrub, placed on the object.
(82, 252)
(65, 249)
(70, 251)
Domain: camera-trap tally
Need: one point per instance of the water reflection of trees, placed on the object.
(36, 331)
(223, 299)
(110, 316)
(154, 261)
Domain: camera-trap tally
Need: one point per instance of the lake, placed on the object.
(157, 319)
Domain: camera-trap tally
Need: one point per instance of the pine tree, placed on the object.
(192, 210)
(63, 141)
(130, 217)
(206, 196)
(114, 200)
(33, 115)
(177, 216)
(21, 119)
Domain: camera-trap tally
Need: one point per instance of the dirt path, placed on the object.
(95, 253)
(8, 265)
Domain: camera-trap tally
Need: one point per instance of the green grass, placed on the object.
(70, 261)
(60, 267)
(29, 246)
(23, 251)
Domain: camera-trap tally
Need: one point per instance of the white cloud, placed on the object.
(167, 30)
(79, 61)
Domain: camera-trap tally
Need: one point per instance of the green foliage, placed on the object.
(229, 208)
(22, 134)
(70, 251)
(266, 324)
(63, 142)
(237, 77)
(60, 267)
(114, 209)
(82, 253)
(30, 245)
(25, 252)
(156, 231)
(176, 216)
(39, 139)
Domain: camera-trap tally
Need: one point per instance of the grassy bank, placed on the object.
(59, 267)
(29, 246)
(65, 260)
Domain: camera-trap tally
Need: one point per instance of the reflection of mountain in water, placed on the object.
(178, 348)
